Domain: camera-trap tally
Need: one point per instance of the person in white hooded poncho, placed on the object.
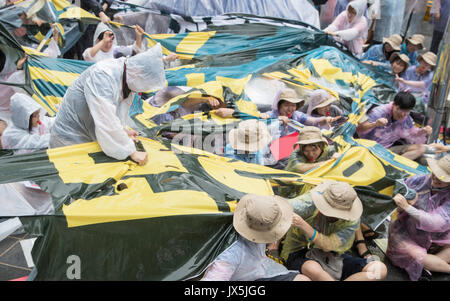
(28, 131)
(350, 27)
(96, 105)
(105, 45)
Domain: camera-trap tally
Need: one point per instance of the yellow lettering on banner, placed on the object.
(192, 43)
(195, 79)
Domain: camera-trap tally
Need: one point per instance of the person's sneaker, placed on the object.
(426, 276)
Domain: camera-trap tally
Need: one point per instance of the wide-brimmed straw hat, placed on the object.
(310, 135)
(251, 135)
(429, 57)
(402, 56)
(416, 39)
(395, 41)
(290, 95)
(262, 219)
(440, 168)
(337, 199)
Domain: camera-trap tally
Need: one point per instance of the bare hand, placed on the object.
(171, 57)
(213, 102)
(264, 116)
(21, 62)
(224, 112)
(132, 134)
(439, 148)
(138, 30)
(428, 130)
(104, 18)
(55, 32)
(381, 122)
(401, 201)
(284, 119)
(140, 158)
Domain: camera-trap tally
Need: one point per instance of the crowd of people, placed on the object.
(286, 237)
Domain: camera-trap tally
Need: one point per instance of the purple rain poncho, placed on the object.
(394, 129)
(425, 223)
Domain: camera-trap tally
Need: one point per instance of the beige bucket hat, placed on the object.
(251, 135)
(309, 135)
(337, 199)
(291, 96)
(440, 168)
(416, 39)
(262, 219)
(402, 56)
(395, 41)
(429, 57)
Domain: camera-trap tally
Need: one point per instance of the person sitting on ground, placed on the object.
(420, 236)
(28, 131)
(259, 220)
(313, 151)
(389, 123)
(411, 46)
(378, 55)
(417, 79)
(321, 104)
(350, 27)
(325, 221)
(285, 108)
(248, 142)
(399, 64)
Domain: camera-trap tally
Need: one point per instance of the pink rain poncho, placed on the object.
(425, 223)
(351, 34)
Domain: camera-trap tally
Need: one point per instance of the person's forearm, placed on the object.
(95, 49)
(415, 84)
(366, 126)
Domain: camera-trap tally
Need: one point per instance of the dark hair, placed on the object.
(297, 105)
(405, 100)
(2, 60)
(100, 36)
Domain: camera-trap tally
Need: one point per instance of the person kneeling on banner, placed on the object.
(96, 106)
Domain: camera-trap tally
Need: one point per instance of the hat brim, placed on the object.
(421, 57)
(311, 141)
(416, 43)
(300, 102)
(255, 146)
(325, 103)
(276, 233)
(323, 206)
(387, 40)
(438, 171)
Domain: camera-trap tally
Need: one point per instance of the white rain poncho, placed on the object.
(244, 261)
(115, 49)
(17, 135)
(93, 108)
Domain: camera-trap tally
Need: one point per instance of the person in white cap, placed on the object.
(259, 220)
(419, 238)
(323, 104)
(96, 106)
(325, 222)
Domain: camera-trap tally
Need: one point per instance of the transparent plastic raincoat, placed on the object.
(17, 135)
(93, 108)
(425, 223)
